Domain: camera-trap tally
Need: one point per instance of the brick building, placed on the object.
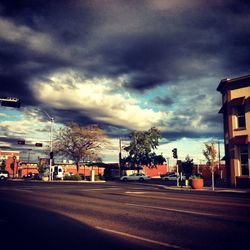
(236, 120)
(9, 162)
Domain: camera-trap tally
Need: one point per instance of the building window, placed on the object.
(240, 117)
(244, 160)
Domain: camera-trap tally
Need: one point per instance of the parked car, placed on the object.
(135, 177)
(172, 176)
(166, 174)
(4, 175)
(32, 176)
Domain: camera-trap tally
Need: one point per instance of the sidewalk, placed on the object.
(209, 189)
(220, 187)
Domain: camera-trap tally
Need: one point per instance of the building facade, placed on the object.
(9, 162)
(236, 120)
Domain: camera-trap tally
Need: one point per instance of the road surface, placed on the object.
(113, 215)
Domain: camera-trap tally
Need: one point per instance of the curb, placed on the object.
(205, 189)
(209, 189)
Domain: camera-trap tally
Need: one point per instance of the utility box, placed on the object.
(92, 175)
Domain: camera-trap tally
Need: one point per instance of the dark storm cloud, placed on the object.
(152, 43)
(165, 101)
(166, 46)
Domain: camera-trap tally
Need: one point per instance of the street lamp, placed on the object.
(51, 145)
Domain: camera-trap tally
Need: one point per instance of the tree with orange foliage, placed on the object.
(210, 153)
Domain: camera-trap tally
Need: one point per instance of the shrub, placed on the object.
(74, 177)
(98, 178)
(196, 176)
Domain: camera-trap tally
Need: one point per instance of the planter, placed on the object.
(197, 183)
(45, 178)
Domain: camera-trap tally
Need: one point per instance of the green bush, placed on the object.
(74, 177)
(97, 178)
(196, 176)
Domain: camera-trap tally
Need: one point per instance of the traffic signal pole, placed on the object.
(10, 102)
(175, 155)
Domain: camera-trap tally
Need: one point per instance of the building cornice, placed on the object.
(234, 83)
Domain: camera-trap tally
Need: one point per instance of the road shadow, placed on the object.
(26, 227)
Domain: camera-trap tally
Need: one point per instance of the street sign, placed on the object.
(21, 142)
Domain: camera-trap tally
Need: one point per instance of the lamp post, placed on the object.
(51, 146)
(51, 149)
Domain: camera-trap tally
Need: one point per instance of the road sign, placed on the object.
(21, 142)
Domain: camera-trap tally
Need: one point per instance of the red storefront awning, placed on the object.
(241, 139)
(240, 101)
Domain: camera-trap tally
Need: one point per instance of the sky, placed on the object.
(123, 65)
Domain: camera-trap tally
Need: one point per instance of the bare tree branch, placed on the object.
(79, 143)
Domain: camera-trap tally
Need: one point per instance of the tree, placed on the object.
(187, 166)
(12, 166)
(141, 148)
(79, 143)
(210, 153)
(42, 166)
(3, 165)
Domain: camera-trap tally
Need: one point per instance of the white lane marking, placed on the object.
(172, 210)
(100, 189)
(135, 192)
(140, 238)
(23, 190)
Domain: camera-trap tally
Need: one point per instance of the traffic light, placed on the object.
(38, 144)
(10, 102)
(21, 142)
(51, 155)
(175, 153)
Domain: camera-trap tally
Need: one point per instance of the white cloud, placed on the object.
(96, 98)
(26, 125)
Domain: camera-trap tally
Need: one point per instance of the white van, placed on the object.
(57, 172)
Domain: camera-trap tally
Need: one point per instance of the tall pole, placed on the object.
(219, 155)
(28, 161)
(51, 146)
(120, 155)
(177, 169)
(51, 149)
(168, 164)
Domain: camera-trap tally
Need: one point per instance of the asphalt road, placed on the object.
(113, 215)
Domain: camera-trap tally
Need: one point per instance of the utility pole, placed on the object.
(51, 149)
(51, 146)
(120, 155)
(28, 160)
(168, 164)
